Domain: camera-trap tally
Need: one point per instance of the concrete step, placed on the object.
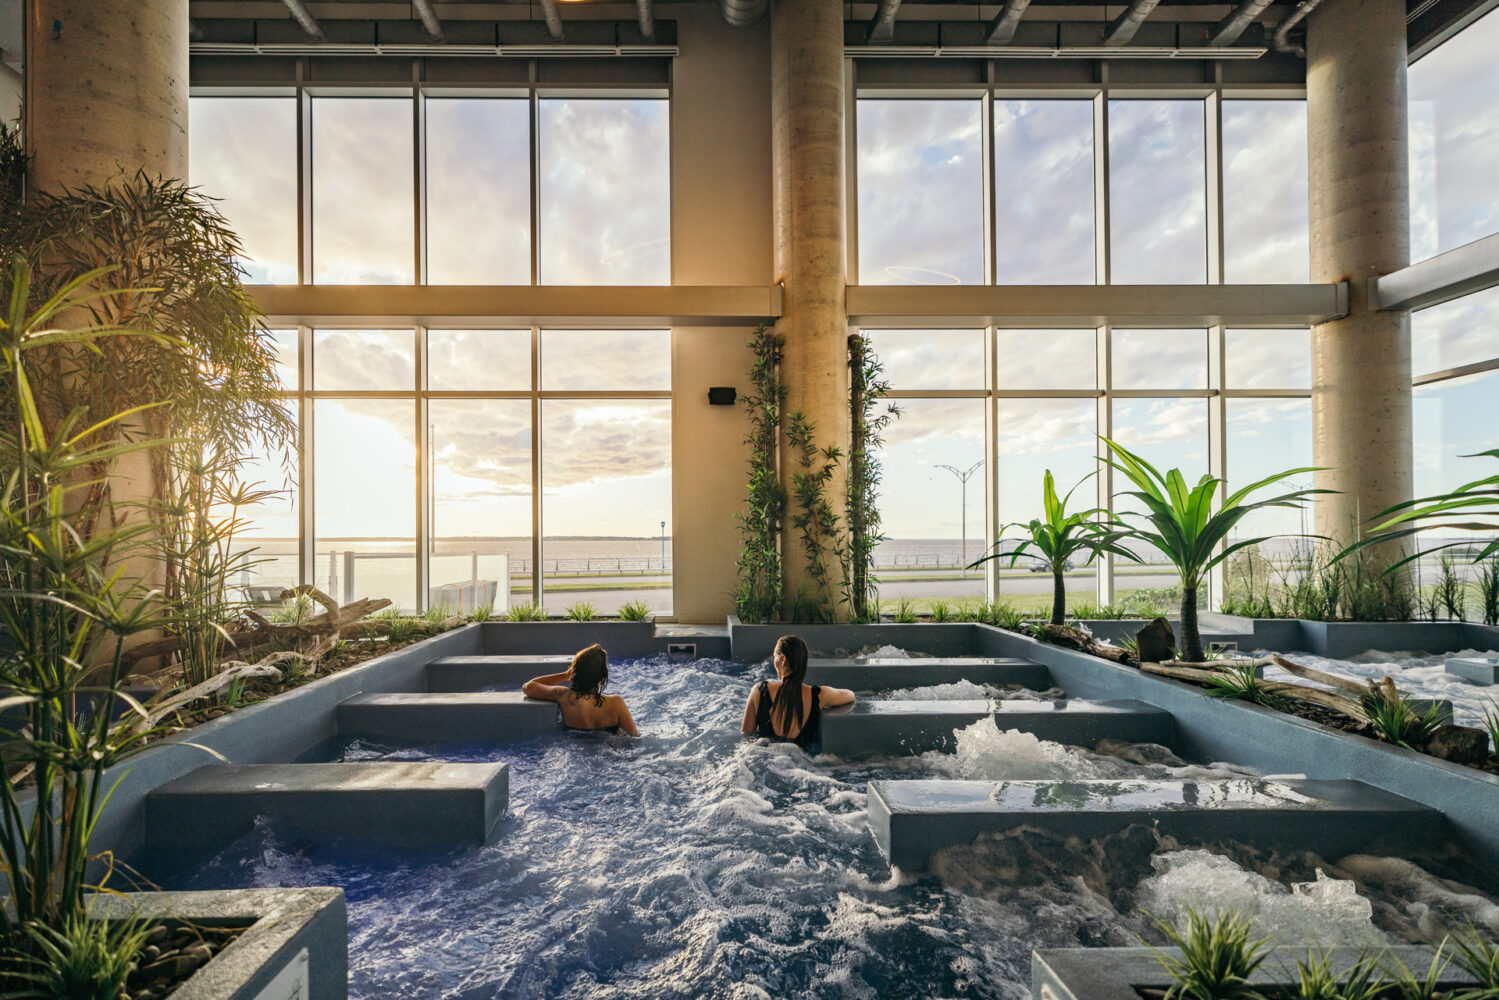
(888, 673)
(488, 673)
(912, 727)
(446, 717)
(397, 802)
(911, 820)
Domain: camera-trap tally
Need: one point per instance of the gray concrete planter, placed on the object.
(623, 640)
(296, 947)
(753, 643)
(1336, 640)
(1114, 973)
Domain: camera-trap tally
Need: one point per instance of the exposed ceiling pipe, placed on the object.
(424, 11)
(1002, 28)
(1122, 31)
(554, 19)
(304, 18)
(882, 25)
(743, 13)
(1228, 30)
(1283, 29)
(647, 20)
(193, 31)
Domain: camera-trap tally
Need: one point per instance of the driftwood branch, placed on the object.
(1206, 673)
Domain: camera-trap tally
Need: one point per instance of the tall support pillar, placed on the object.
(807, 148)
(1360, 228)
(106, 84)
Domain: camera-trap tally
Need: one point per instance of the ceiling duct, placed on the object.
(647, 20)
(1283, 29)
(1228, 30)
(304, 18)
(554, 19)
(882, 25)
(743, 13)
(1002, 28)
(429, 19)
(1122, 31)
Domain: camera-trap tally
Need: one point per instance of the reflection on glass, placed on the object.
(243, 151)
(481, 500)
(1046, 359)
(1267, 436)
(606, 359)
(1157, 192)
(921, 192)
(1456, 333)
(364, 481)
(479, 360)
(284, 344)
(1453, 418)
(605, 189)
(606, 502)
(1267, 359)
(1265, 230)
(1043, 200)
(362, 191)
(363, 359)
(1036, 435)
(928, 512)
(1160, 359)
(271, 527)
(478, 191)
(1454, 141)
(929, 359)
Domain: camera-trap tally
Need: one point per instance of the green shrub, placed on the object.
(1218, 957)
(941, 610)
(82, 959)
(583, 611)
(905, 610)
(525, 611)
(1397, 722)
(635, 611)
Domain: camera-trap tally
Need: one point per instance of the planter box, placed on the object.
(1113, 973)
(296, 947)
(623, 640)
(753, 643)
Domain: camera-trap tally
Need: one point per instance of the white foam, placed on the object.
(1416, 675)
(956, 691)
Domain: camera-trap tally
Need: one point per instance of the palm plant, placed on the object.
(1181, 524)
(1061, 536)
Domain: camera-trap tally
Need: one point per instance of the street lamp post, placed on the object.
(963, 518)
(663, 546)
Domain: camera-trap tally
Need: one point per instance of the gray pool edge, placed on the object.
(283, 922)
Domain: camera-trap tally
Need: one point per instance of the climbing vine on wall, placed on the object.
(816, 520)
(871, 413)
(760, 591)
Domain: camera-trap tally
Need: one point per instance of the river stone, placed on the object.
(1155, 643)
(1459, 744)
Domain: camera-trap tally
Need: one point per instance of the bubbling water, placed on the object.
(692, 862)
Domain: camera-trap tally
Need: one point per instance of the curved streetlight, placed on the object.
(963, 517)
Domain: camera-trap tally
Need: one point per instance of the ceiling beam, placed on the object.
(1002, 28)
(304, 18)
(1123, 28)
(429, 19)
(882, 25)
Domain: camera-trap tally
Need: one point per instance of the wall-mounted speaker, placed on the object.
(722, 395)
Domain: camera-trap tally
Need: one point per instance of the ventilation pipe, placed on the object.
(743, 13)
(882, 25)
(1002, 28)
(1283, 29)
(1228, 30)
(554, 19)
(647, 20)
(1122, 31)
(305, 19)
(430, 22)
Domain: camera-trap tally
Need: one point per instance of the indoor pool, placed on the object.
(694, 863)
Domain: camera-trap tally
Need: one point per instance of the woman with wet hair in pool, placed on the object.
(579, 694)
(786, 709)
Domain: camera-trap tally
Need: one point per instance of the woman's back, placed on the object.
(584, 712)
(769, 724)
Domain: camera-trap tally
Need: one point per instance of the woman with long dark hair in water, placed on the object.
(582, 702)
(787, 709)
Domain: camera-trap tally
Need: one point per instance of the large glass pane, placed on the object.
(1464, 331)
(921, 192)
(1265, 231)
(932, 502)
(285, 344)
(1036, 435)
(929, 359)
(606, 503)
(481, 502)
(1046, 359)
(243, 151)
(1454, 141)
(478, 191)
(638, 360)
(1267, 359)
(364, 481)
(1160, 359)
(1169, 434)
(1043, 199)
(355, 360)
(1264, 437)
(1157, 192)
(605, 192)
(479, 360)
(1453, 418)
(271, 527)
(363, 192)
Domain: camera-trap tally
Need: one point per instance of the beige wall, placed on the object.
(721, 235)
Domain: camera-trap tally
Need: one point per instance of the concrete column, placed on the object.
(807, 93)
(106, 85)
(1360, 228)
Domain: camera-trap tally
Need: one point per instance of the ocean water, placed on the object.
(695, 863)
